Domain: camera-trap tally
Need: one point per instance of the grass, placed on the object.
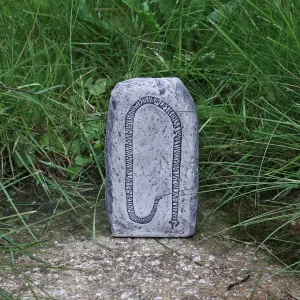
(240, 60)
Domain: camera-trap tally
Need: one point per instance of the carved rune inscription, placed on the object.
(176, 160)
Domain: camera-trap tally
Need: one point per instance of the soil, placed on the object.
(72, 265)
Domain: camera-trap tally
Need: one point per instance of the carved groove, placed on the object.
(176, 161)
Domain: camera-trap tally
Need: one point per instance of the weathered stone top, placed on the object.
(163, 88)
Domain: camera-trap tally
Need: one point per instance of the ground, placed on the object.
(71, 265)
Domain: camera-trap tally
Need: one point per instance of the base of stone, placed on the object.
(136, 234)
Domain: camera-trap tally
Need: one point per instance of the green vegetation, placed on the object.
(240, 60)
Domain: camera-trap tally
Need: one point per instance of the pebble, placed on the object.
(197, 258)
(126, 295)
(211, 258)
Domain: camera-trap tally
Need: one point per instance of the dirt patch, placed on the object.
(72, 266)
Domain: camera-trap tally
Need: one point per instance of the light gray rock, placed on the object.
(152, 159)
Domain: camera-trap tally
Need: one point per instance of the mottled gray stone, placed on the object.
(152, 159)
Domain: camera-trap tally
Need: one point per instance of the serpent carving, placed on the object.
(176, 160)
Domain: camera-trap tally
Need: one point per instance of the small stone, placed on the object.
(187, 268)
(62, 292)
(126, 295)
(119, 259)
(211, 258)
(131, 267)
(189, 292)
(155, 263)
(197, 258)
(151, 159)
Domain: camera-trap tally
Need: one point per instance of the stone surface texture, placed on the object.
(152, 159)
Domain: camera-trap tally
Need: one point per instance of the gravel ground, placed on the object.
(72, 266)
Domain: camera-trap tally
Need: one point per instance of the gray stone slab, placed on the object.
(151, 159)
